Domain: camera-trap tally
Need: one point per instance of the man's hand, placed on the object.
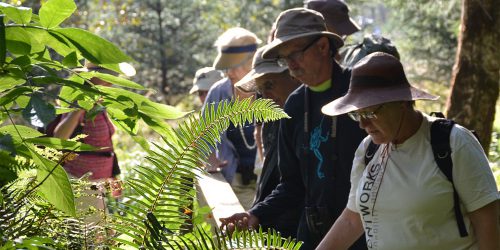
(214, 164)
(240, 221)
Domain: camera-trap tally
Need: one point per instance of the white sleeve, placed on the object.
(472, 175)
(358, 167)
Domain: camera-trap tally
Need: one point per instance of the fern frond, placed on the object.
(168, 187)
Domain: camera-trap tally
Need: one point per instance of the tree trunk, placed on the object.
(475, 80)
(161, 48)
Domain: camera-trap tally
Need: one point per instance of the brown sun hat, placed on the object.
(297, 23)
(377, 78)
(336, 14)
(260, 67)
(235, 46)
(204, 78)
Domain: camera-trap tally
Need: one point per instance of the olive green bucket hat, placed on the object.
(297, 23)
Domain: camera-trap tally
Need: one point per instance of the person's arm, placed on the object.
(485, 224)
(344, 232)
(67, 125)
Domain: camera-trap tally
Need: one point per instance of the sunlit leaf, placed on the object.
(18, 131)
(7, 82)
(113, 79)
(50, 40)
(93, 47)
(71, 60)
(55, 188)
(54, 12)
(18, 14)
(18, 41)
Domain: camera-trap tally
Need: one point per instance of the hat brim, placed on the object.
(344, 28)
(247, 83)
(273, 47)
(230, 60)
(202, 85)
(374, 96)
(194, 89)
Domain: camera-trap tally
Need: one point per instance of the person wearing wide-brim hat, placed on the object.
(203, 79)
(268, 78)
(315, 151)
(271, 81)
(398, 188)
(336, 13)
(235, 155)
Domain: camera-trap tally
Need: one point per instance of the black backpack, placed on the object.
(351, 54)
(440, 143)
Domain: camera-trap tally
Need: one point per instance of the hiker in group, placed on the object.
(204, 78)
(273, 82)
(235, 154)
(401, 197)
(102, 164)
(315, 151)
(336, 14)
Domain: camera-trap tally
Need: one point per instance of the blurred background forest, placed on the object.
(171, 39)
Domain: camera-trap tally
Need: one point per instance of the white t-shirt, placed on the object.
(406, 202)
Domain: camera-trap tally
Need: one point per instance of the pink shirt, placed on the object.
(99, 132)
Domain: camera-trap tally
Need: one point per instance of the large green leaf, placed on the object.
(159, 110)
(55, 188)
(47, 38)
(113, 79)
(160, 127)
(54, 12)
(93, 47)
(18, 41)
(145, 105)
(20, 15)
(128, 125)
(8, 82)
(39, 112)
(58, 143)
(24, 132)
(71, 60)
(69, 94)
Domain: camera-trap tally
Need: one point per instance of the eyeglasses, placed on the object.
(365, 115)
(296, 55)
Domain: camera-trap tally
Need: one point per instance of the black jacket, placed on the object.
(288, 220)
(318, 177)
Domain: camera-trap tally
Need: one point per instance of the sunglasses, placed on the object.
(357, 116)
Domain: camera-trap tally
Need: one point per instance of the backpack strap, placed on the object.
(440, 142)
(370, 152)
